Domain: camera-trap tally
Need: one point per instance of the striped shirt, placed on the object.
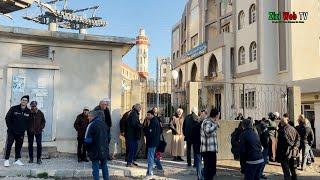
(209, 136)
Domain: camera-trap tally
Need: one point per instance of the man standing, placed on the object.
(96, 141)
(288, 149)
(103, 106)
(187, 131)
(122, 124)
(17, 120)
(81, 125)
(209, 144)
(251, 159)
(272, 127)
(133, 134)
(36, 126)
(152, 132)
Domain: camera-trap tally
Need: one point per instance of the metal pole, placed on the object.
(158, 83)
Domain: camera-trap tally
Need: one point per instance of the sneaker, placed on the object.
(18, 162)
(135, 164)
(30, 161)
(39, 161)
(6, 163)
(129, 165)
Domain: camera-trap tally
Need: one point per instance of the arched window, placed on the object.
(252, 14)
(213, 66)
(241, 20)
(241, 56)
(194, 72)
(180, 78)
(253, 51)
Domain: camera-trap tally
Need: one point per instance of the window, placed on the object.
(252, 15)
(164, 71)
(248, 99)
(194, 41)
(174, 56)
(241, 56)
(241, 20)
(31, 50)
(225, 28)
(253, 51)
(177, 53)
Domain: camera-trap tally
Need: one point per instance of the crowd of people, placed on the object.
(256, 142)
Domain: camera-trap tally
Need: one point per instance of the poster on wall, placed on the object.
(18, 84)
(42, 83)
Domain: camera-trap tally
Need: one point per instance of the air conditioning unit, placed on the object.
(8, 6)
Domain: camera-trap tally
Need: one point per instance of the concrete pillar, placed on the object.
(193, 96)
(136, 93)
(317, 123)
(52, 26)
(294, 104)
(82, 31)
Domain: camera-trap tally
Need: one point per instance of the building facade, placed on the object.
(57, 70)
(240, 57)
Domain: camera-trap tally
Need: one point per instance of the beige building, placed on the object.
(57, 70)
(242, 60)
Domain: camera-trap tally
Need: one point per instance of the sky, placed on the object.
(125, 18)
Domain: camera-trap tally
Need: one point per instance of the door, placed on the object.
(38, 84)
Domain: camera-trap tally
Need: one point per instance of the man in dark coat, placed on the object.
(288, 149)
(272, 127)
(106, 117)
(264, 139)
(251, 158)
(187, 131)
(17, 120)
(122, 124)
(81, 125)
(96, 141)
(36, 126)
(152, 132)
(133, 134)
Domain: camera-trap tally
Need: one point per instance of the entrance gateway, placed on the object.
(38, 84)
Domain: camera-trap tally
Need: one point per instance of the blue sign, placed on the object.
(197, 51)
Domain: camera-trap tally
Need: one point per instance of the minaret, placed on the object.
(142, 43)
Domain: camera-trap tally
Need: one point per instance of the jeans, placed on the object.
(95, 169)
(151, 152)
(30, 145)
(197, 163)
(189, 145)
(288, 168)
(18, 139)
(305, 155)
(265, 158)
(252, 171)
(133, 148)
(210, 165)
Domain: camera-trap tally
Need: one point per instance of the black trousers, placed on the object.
(189, 145)
(31, 137)
(81, 150)
(18, 139)
(210, 165)
(289, 169)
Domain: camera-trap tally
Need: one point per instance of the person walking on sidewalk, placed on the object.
(152, 132)
(251, 158)
(81, 125)
(306, 140)
(17, 120)
(177, 142)
(96, 141)
(36, 126)
(106, 117)
(209, 144)
(133, 134)
(288, 149)
(187, 131)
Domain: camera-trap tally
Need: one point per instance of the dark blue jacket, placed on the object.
(152, 133)
(250, 146)
(196, 136)
(17, 119)
(96, 139)
(133, 126)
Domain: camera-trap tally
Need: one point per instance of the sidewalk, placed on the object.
(69, 168)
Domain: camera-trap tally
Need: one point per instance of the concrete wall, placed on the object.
(223, 136)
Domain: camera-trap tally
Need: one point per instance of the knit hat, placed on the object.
(25, 96)
(86, 108)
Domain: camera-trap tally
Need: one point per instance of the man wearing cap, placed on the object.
(35, 128)
(81, 125)
(17, 120)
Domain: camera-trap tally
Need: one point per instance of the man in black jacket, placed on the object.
(106, 117)
(96, 141)
(187, 131)
(152, 132)
(133, 134)
(81, 125)
(36, 126)
(264, 139)
(17, 120)
(251, 158)
(288, 149)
